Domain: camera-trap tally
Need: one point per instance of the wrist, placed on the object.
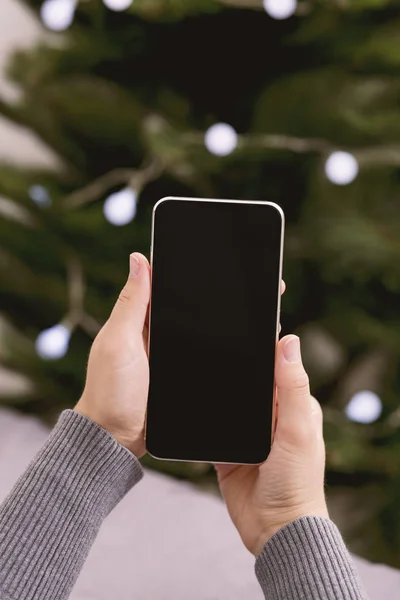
(271, 525)
(131, 439)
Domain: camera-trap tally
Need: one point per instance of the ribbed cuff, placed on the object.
(52, 516)
(308, 560)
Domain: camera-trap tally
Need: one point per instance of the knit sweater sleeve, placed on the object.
(51, 518)
(308, 560)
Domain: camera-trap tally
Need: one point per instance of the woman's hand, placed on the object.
(115, 394)
(290, 484)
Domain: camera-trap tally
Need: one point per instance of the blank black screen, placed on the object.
(215, 285)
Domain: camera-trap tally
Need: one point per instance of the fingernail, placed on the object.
(291, 350)
(134, 266)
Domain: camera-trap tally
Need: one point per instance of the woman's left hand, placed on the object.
(116, 389)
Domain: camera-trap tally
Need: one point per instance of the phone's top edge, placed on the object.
(162, 200)
(183, 198)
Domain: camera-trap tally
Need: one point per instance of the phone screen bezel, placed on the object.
(249, 202)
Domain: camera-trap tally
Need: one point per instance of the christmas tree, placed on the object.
(291, 102)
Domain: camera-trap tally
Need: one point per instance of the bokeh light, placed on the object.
(341, 168)
(364, 407)
(118, 5)
(39, 195)
(221, 139)
(120, 207)
(52, 343)
(58, 15)
(280, 9)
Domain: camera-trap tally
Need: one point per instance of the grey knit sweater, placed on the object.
(51, 518)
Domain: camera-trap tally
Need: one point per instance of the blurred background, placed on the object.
(108, 105)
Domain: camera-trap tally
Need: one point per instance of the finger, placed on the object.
(295, 407)
(132, 304)
(317, 415)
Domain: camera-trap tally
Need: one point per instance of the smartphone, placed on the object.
(213, 328)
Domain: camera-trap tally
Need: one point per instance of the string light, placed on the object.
(120, 207)
(280, 9)
(58, 15)
(53, 343)
(221, 139)
(39, 195)
(118, 5)
(341, 168)
(364, 407)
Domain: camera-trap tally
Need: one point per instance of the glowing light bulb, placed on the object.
(53, 343)
(221, 139)
(280, 9)
(39, 195)
(58, 14)
(364, 407)
(341, 168)
(118, 4)
(120, 207)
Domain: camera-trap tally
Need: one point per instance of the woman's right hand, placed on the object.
(290, 484)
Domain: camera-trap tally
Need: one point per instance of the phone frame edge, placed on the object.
(278, 311)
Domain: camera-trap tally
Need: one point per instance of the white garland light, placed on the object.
(53, 343)
(118, 5)
(364, 407)
(341, 168)
(120, 207)
(221, 139)
(58, 15)
(280, 9)
(39, 195)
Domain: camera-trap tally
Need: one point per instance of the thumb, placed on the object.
(132, 304)
(296, 421)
